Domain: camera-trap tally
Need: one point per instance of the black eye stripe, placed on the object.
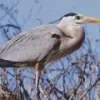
(66, 15)
(70, 14)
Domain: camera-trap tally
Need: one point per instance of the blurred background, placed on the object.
(75, 77)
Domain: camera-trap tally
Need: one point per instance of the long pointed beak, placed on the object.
(91, 20)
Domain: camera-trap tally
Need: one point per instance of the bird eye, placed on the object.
(77, 17)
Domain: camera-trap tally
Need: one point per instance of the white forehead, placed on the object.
(69, 18)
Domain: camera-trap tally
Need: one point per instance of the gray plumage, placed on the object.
(47, 43)
(26, 47)
(36, 45)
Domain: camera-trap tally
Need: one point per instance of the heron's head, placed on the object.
(76, 18)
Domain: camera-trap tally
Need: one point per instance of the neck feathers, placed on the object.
(71, 30)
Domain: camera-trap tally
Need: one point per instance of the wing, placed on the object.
(32, 45)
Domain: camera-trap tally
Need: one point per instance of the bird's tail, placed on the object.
(6, 63)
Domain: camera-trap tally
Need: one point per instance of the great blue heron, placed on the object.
(47, 43)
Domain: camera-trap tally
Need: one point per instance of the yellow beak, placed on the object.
(91, 20)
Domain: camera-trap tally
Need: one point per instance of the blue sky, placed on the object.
(49, 10)
(53, 9)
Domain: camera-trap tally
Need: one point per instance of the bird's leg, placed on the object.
(38, 74)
